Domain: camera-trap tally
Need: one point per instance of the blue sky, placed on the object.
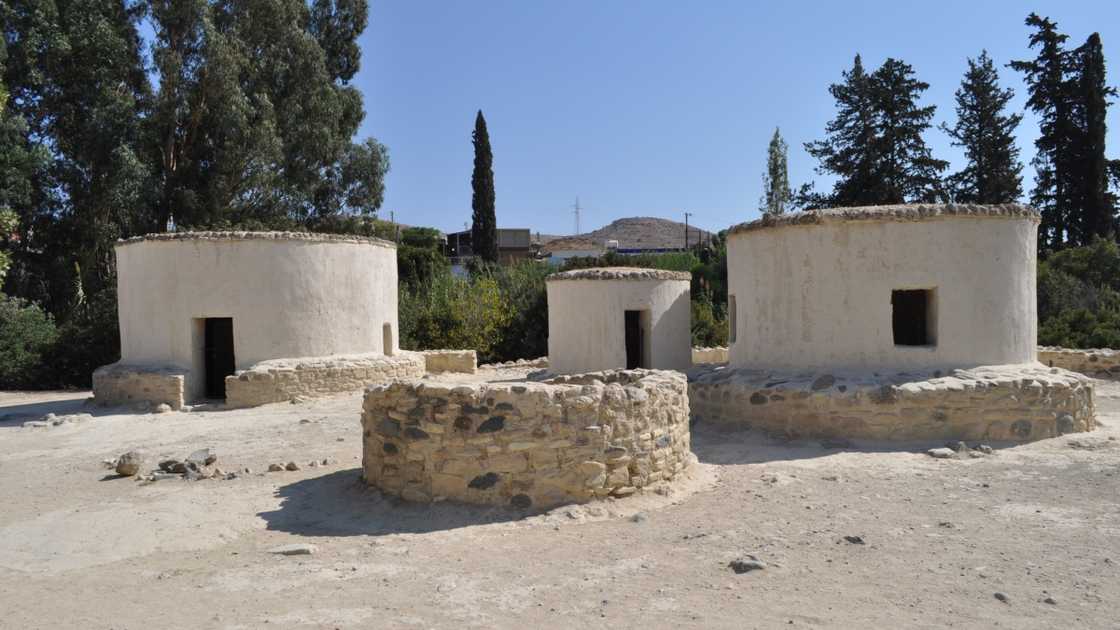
(653, 108)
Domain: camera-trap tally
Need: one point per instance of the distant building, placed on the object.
(514, 244)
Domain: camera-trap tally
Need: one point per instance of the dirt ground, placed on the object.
(81, 547)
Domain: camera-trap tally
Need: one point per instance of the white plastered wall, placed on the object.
(586, 323)
(812, 296)
(287, 297)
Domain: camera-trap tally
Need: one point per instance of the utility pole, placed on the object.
(577, 209)
(686, 215)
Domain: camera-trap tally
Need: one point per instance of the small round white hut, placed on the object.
(196, 308)
(618, 317)
(916, 286)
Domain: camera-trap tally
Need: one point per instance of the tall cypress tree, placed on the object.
(775, 181)
(1051, 98)
(1094, 200)
(987, 134)
(848, 151)
(484, 225)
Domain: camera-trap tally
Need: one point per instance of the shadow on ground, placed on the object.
(341, 504)
(17, 414)
(729, 447)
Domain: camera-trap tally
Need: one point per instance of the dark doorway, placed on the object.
(912, 317)
(635, 341)
(218, 353)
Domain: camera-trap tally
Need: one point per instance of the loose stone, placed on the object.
(129, 464)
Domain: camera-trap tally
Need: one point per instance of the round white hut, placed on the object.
(198, 307)
(885, 287)
(618, 317)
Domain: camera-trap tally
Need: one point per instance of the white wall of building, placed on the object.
(819, 295)
(586, 323)
(288, 297)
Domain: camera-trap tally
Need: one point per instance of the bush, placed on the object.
(88, 339)
(525, 299)
(709, 324)
(1079, 297)
(453, 313)
(27, 334)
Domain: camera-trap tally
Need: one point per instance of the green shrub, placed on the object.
(709, 324)
(453, 313)
(1079, 297)
(26, 336)
(88, 339)
(525, 334)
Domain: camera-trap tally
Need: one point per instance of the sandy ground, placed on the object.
(80, 547)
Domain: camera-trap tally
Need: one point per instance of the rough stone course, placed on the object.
(1099, 362)
(998, 403)
(620, 273)
(462, 361)
(282, 380)
(717, 354)
(258, 236)
(119, 384)
(526, 444)
(901, 212)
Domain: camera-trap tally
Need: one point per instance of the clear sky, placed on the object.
(646, 108)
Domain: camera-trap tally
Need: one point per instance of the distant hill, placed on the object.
(639, 233)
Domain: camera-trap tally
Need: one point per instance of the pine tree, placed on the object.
(875, 145)
(1094, 201)
(987, 134)
(484, 225)
(848, 151)
(907, 171)
(1051, 98)
(775, 181)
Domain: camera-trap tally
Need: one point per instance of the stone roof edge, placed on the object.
(896, 213)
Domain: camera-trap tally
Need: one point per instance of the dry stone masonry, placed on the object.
(999, 403)
(701, 356)
(283, 380)
(119, 384)
(462, 361)
(526, 444)
(1099, 362)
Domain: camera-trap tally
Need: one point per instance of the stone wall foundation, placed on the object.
(1000, 403)
(526, 444)
(118, 384)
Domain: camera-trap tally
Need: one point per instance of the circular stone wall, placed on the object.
(289, 295)
(836, 288)
(588, 326)
(526, 444)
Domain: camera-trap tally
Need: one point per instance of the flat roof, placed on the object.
(620, 273)
(895, 213)
(259, 236)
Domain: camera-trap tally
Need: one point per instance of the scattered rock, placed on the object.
(129, 464)
(746, 565)
(985, 449)
(202, 457)
(304, 421)
(275, 468)
(192, 475)
(1002, 597)
(961, 447)
(327, 461)
(313, 464)
(247, 470)
(946, 525)
(640, 517)
(36, 424)
(294, 550)
(855, 540)
(941, 453)
(160, 476)
(163, 408)
(1051, 601)
(291, 466)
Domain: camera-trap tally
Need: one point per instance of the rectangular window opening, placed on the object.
(914, 317)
